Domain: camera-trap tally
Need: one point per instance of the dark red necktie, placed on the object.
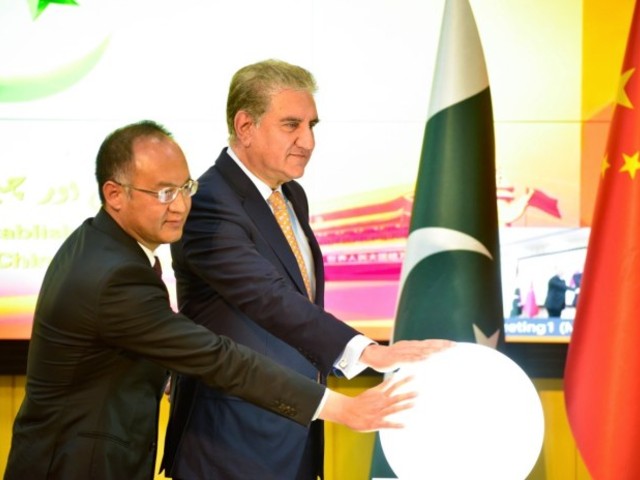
(157, 267)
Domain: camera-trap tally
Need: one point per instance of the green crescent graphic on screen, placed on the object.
(21, 88)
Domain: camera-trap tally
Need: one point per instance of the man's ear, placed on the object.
(243, 124)
(113, 195)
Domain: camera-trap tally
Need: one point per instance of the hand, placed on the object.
(388, 358)
(368, 411)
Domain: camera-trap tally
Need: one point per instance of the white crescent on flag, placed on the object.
(47, 52)
(428, 241)
(431, 240)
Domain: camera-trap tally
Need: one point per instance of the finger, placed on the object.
(415, 351)
(403, 397)
(385, 422)
(430, 344)
(384, 384)
(389, 425)
(399, 406)
(394, 384)
(397, 403)
(391, 384)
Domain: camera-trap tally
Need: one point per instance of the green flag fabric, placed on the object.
(450, 284)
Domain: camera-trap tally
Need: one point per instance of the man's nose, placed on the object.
(306, 139)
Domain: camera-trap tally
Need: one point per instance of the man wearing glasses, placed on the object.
(104, 334)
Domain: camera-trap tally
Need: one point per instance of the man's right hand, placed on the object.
(368, 411)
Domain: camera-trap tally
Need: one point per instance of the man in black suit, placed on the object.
(241, 274)
(556, 293)
(104, 334)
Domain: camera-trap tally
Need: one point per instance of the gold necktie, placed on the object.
(282, 216)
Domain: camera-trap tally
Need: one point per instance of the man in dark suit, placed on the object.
(104, 334)
(556, 293)
(242, 274)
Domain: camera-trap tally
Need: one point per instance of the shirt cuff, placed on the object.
(323, 400)
(349, 362)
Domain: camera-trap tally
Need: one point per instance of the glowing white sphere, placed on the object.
(478, 416)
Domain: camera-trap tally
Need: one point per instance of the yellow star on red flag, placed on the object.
(604, 165)
(631, 164)
(622, 98)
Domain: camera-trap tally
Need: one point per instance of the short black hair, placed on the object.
(115, 156)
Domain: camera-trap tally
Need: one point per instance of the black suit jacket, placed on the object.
(236, 275)
(556, 292)
(103, 339)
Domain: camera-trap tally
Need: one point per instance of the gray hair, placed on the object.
(253, 86)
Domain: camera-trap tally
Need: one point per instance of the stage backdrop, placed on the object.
(71, 73)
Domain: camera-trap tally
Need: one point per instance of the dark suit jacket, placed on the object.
(236, 275)
(104, 336)
(556, 291)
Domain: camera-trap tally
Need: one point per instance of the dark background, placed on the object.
(538, 360)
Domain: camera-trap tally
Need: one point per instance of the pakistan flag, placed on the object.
(450, 283)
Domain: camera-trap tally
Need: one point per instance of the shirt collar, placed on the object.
(263, 188)
(149, 253)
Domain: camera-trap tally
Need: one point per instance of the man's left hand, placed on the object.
(388, 358)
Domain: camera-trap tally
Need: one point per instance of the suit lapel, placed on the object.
(261, 215)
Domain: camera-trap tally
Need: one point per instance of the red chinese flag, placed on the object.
(544, 202)
(602, 373)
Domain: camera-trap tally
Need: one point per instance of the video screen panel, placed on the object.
(69, 74)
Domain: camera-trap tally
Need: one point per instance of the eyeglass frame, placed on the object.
(188, 189)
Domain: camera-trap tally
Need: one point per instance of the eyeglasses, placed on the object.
(168, 194)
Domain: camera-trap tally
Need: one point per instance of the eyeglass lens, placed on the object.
(169, 194)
